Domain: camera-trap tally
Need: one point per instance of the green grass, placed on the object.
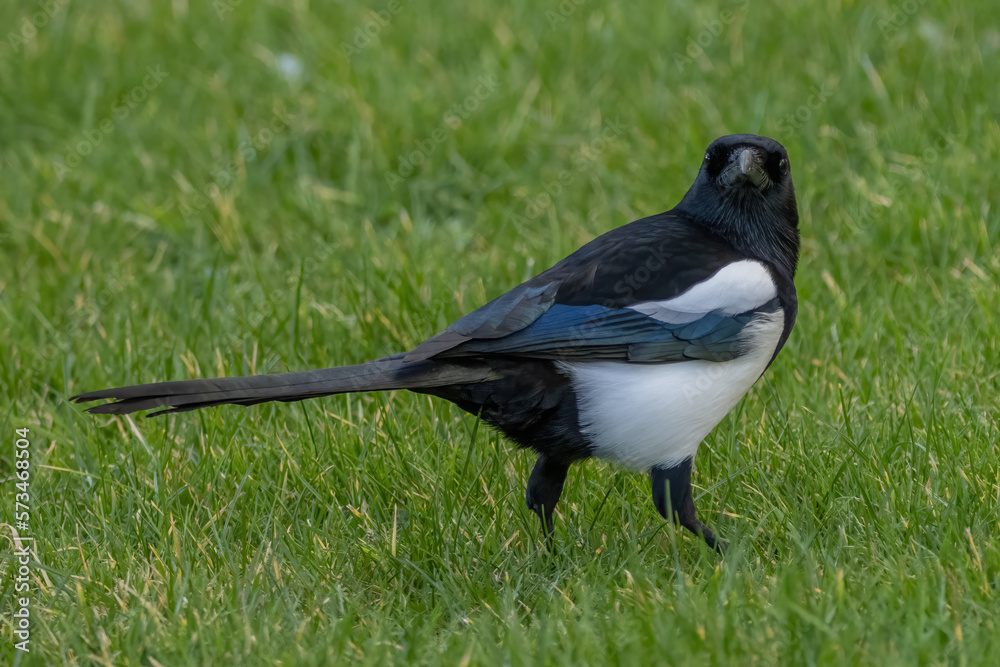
(858, 482)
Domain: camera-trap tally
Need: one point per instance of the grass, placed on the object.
(283, 193)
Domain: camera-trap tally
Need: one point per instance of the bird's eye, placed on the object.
(706, 157)
(783, 165)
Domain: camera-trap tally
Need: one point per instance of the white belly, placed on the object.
(645, 415)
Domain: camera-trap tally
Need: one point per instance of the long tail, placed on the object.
(383, 374)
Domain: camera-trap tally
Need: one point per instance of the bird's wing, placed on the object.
(649, 260)
(624, 334)
(501, 317)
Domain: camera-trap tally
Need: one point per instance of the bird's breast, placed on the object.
(644, 415)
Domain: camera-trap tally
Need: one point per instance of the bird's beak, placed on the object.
(745, 160)
(746, 167)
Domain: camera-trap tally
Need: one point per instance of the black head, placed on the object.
(744, 193)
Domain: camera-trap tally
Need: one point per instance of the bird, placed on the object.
(631, 349)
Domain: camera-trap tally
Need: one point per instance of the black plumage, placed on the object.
(507, 362)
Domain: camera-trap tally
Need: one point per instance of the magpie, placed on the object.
(631, 349)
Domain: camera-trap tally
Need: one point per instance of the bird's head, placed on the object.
(744, 192)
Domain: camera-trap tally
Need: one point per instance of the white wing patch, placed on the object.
(733, 289)
(643, 415)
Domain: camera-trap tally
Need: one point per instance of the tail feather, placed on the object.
(384, 374)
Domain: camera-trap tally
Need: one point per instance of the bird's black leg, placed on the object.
(680, 501)
(545, 485)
